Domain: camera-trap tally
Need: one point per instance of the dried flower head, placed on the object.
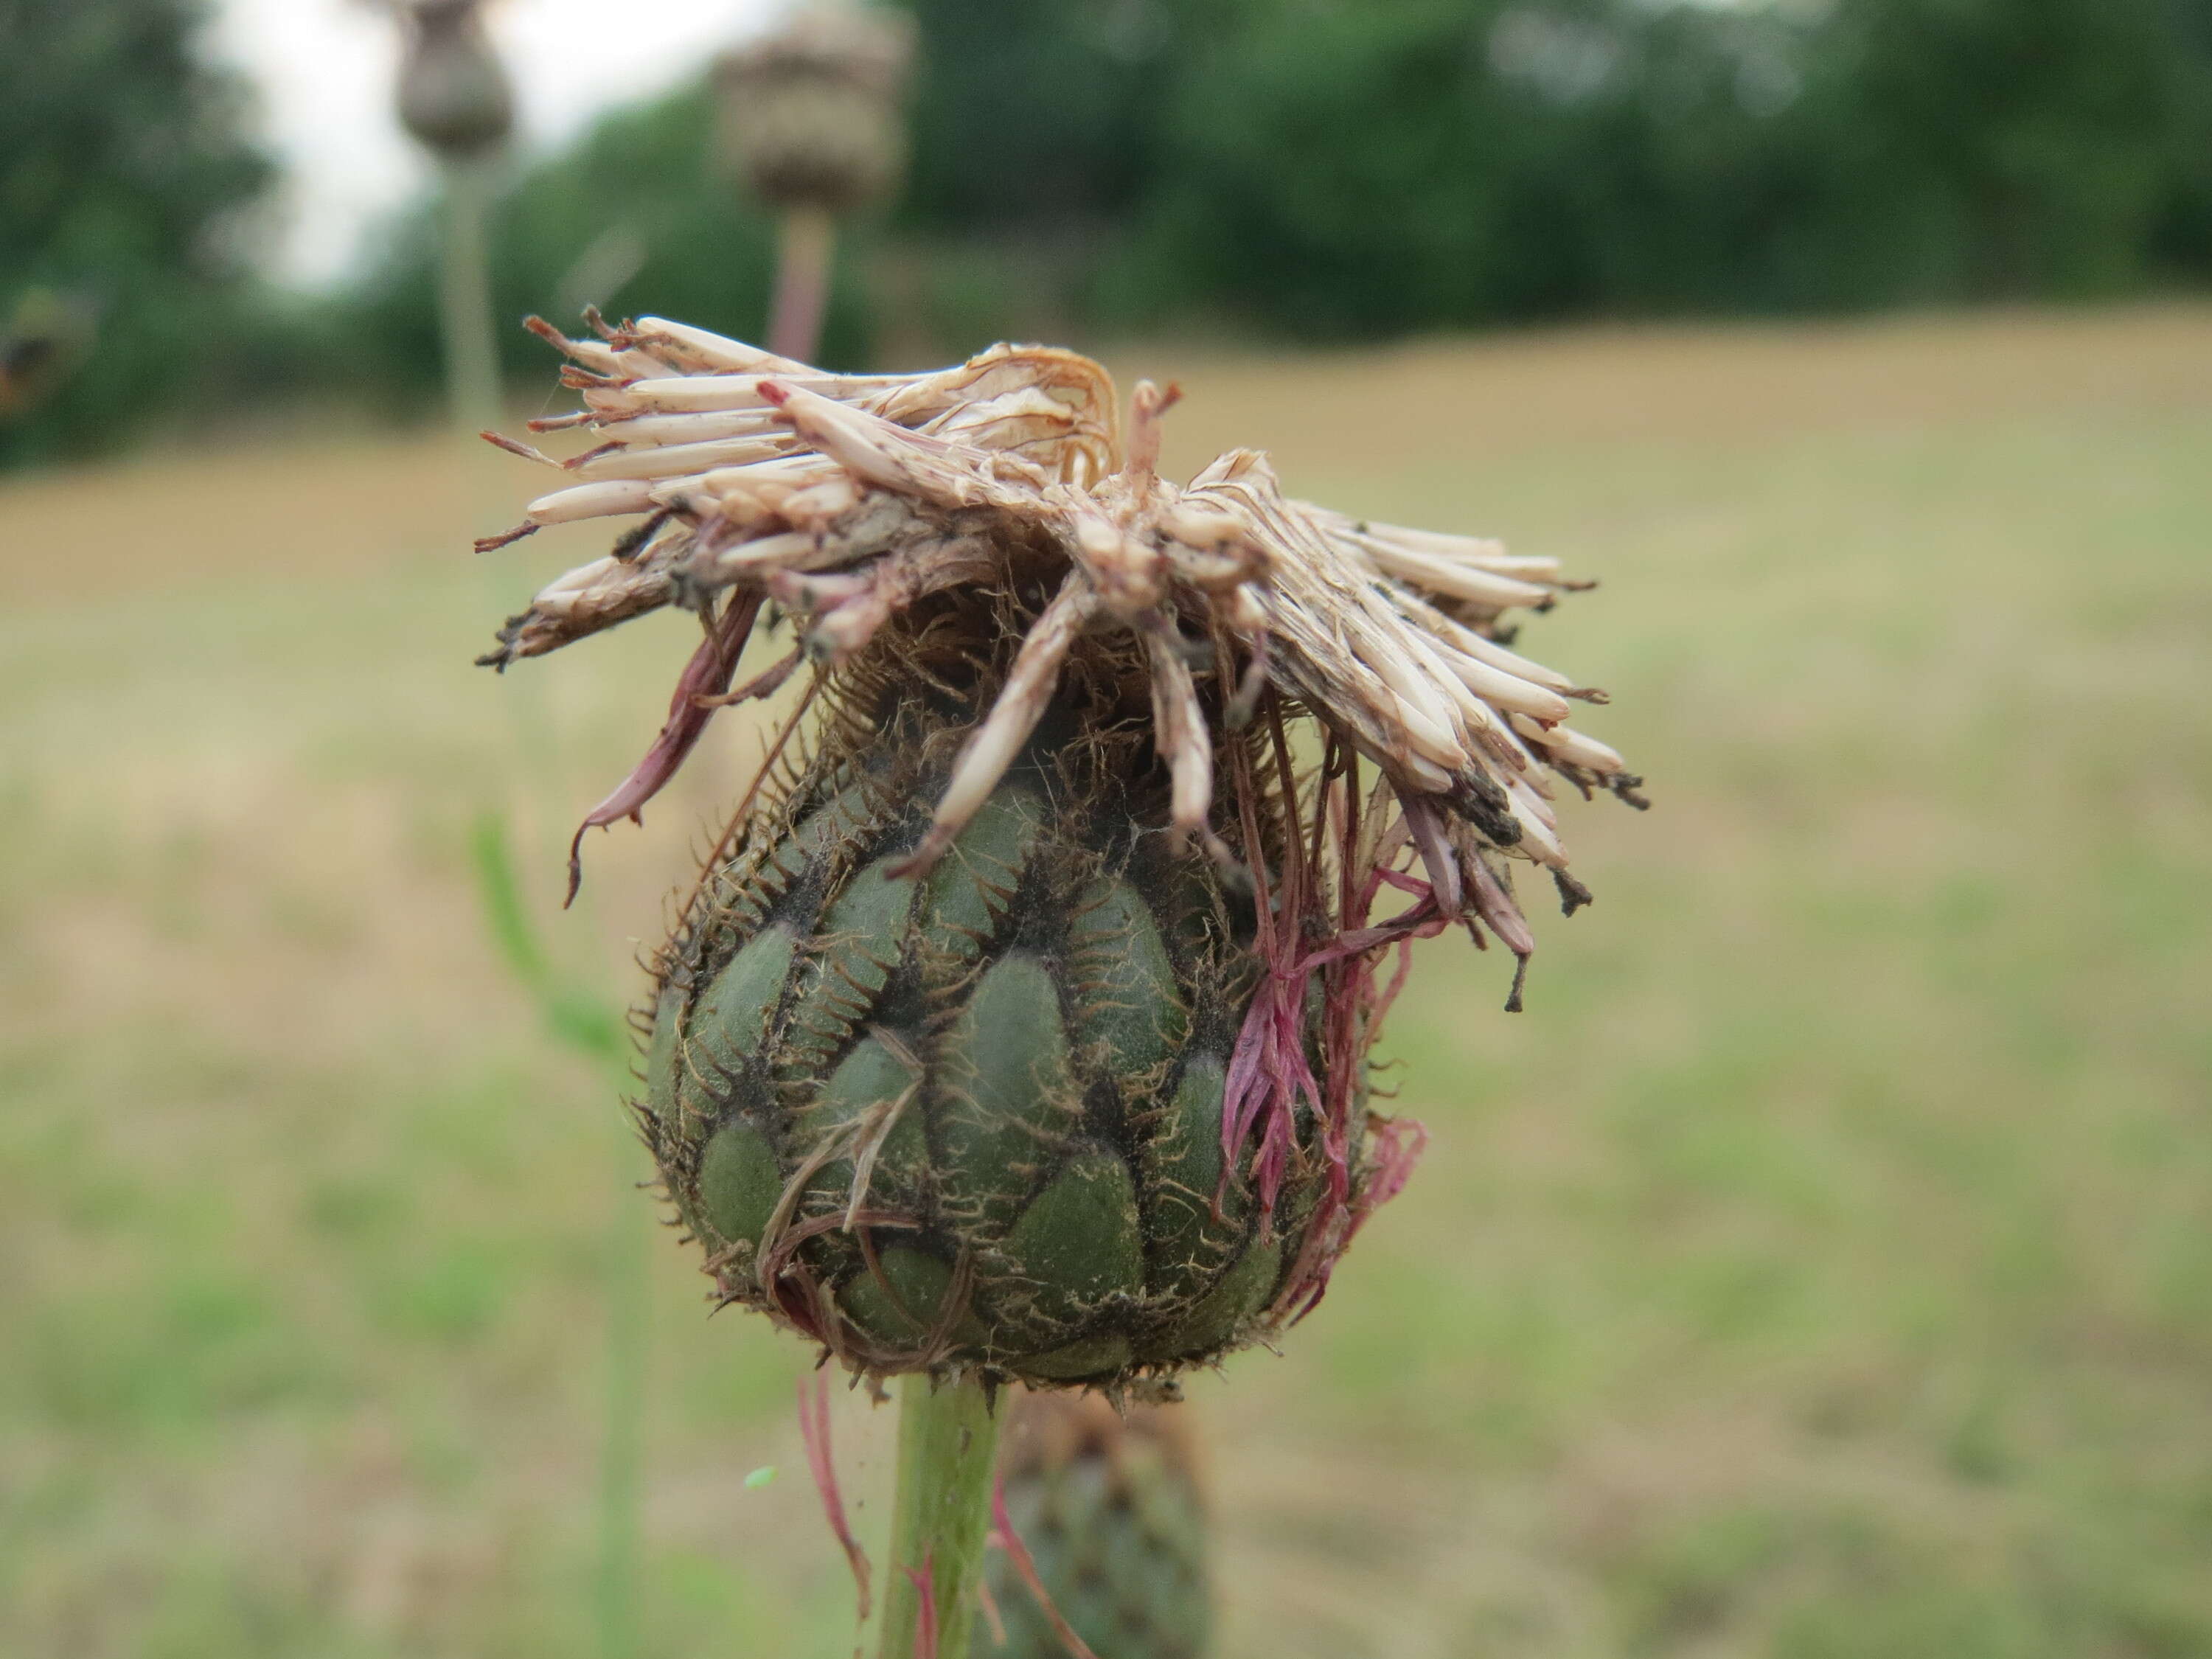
(990, 541)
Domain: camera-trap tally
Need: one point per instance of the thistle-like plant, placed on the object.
(1016, 1028)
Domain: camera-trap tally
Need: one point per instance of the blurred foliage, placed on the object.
(124, 178)
(1028, 110)
(1331, 168)
(1335, 167)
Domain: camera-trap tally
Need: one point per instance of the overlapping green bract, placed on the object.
(971, 1119)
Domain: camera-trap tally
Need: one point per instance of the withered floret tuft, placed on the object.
(849, 498)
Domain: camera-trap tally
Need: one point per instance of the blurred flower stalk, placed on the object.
(455, 99)
(810, 126)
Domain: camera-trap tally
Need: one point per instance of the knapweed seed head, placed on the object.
(810, 111)
(454, 95)
(1018, 1023)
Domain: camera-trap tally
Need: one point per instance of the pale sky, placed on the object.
(324, 68)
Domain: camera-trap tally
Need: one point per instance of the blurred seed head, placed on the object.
(810, 114)
(454, 94)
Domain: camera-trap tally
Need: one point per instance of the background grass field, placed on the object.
(1821, 1267)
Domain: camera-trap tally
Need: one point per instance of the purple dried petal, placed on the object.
(704, 677)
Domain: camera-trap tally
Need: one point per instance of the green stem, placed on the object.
(948, 1443)
(465, 298)
(621, 1449)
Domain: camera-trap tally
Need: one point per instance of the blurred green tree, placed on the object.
(1404, 163)
(1041, 110)
(125, 181)
(2008, 148)
(2183, 238)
